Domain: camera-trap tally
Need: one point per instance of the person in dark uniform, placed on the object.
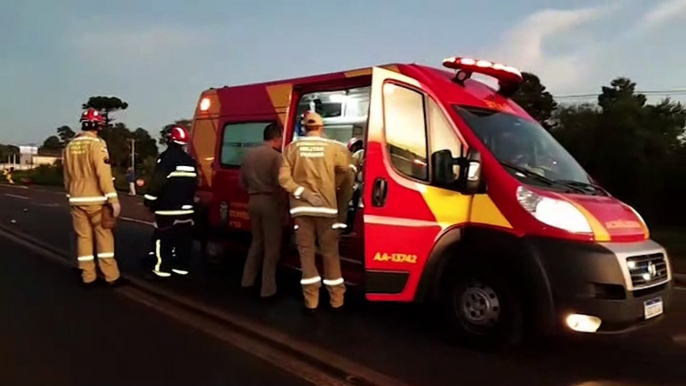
(311, 172)
(170, 196)
(259, 176)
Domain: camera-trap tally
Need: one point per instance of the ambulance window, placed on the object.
(238, 138)
(442, 136)
(405, 127)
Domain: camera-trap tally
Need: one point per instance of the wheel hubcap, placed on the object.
(480, 305)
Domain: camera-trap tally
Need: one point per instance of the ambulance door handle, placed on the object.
(379, 192)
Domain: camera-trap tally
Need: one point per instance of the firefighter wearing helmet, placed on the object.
(311, 167)
(170, 196)
(90, 188)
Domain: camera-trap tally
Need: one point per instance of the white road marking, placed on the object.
(16, 196)
(203, 317)
(49, 205)
(129, 219)
(15, 186)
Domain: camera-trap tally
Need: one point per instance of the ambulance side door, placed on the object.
(400, 205)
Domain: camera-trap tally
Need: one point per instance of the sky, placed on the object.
(158, 55)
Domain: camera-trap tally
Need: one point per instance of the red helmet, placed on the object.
(91, 119)
(91, 115)
(178, 135)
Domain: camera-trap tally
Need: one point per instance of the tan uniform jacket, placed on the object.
(311, 164)
(87, 172)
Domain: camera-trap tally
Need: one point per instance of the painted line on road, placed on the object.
(307, 360)
(16, 196)
(253, 347)
(129, 219)
(49, 205)
(14, 186)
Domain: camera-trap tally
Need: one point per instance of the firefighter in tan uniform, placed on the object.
(309, 174)
(89, 186)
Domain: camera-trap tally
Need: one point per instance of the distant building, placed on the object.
(31, 156)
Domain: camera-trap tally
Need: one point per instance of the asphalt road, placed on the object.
(53, 332)
(399, 340)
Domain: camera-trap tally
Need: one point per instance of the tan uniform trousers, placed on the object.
(266, 218)
(307, 230)
(86, 220)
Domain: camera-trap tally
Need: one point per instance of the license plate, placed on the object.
(652, 308)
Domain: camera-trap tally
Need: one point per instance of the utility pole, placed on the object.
(133, 155)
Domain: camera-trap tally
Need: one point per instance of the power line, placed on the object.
(668, 92)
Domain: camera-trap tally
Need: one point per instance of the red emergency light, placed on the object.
(509, 78)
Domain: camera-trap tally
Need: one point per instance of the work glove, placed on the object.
(313, 198)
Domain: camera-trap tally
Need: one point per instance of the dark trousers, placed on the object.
(172, 245)
(266, 219)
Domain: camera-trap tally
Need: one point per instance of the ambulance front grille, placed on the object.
(647, 270)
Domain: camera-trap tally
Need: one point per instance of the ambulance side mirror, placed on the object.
(469, 180)
(442, 173)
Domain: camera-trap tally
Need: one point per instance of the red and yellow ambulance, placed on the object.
(464, 199)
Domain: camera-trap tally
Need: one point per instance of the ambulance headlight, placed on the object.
(550, 211)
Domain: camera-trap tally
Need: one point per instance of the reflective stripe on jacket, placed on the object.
(171, 191)
(314, 164)
(87, 171)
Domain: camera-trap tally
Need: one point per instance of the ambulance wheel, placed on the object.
(481, 308)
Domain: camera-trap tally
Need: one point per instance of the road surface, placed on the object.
(399, 341)
(53, 332)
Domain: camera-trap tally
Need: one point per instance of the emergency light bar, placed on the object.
(205, 104)
(509, 78)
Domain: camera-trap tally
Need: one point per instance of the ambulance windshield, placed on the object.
(523, 146)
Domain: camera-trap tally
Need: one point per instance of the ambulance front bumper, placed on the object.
(605, 287)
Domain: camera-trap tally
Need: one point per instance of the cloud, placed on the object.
(524, 46)
(663, 13)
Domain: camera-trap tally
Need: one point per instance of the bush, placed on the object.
(50, 175)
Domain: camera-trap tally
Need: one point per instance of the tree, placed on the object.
(533, 97)
(118, 138)
(106, 105)
(146, 146)
(634, 149)
(52, 144)
(65, 134)
(6, 151)
(185, 123)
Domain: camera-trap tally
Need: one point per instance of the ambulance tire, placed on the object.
(481, 309)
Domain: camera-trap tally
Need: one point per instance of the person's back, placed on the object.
(175, 182)
(309, 174)
(171, 197)
(89, 186)
(314, 163)
(259, 170)
(86, 170)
